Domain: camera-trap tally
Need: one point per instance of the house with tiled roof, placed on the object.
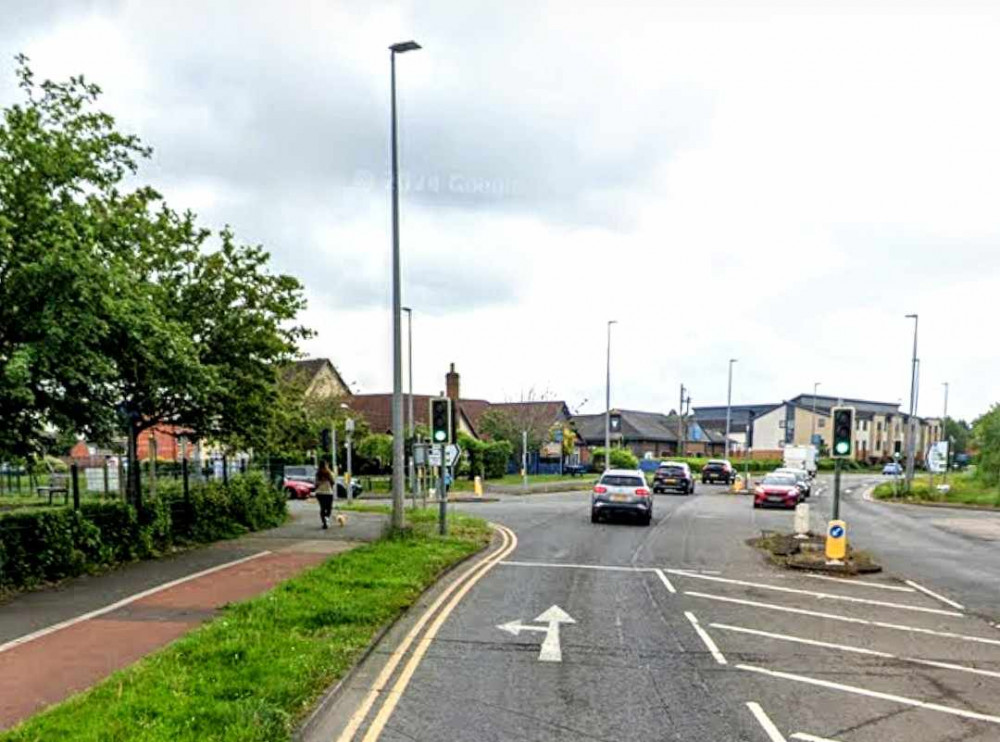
(317, 377)
(653, 433)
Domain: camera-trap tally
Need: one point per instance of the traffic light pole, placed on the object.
(836, 490)
(443, 496)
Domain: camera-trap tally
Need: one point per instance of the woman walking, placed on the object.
(325, 490)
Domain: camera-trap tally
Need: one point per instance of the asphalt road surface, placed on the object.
(679, 631)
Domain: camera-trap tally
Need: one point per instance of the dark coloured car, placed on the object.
(777, 490)
(718, 470)
(672, 476)
(621, 492)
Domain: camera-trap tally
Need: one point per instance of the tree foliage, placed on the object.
(116, 312)
(986, 430)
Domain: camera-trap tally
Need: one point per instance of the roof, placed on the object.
(739, 415)
(377, 409)
(539, 416)
(635, 425)
(305, 371)
(825, 402)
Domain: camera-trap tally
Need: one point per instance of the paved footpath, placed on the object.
(58, 642)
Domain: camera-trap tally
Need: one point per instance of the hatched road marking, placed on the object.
(812, 593)
(872, 694)
(712, 647)
(943, 599)
(859, 583)
(765, 722)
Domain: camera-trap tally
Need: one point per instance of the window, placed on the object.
(781, 423)
(616, 480)
(822, 422)
(865, 425)
(878, 444)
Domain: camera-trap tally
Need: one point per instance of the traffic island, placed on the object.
(791, 552)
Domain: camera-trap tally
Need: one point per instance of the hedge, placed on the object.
(44, 545)
(621, 458)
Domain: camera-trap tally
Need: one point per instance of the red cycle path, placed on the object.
(53, 667)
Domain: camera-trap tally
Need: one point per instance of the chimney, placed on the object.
(451, 383)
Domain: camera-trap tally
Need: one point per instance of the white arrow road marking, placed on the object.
(550, 650)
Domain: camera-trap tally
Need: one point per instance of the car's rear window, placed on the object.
(779, 479)
(619, 480)
(670, 470)
(716, 463)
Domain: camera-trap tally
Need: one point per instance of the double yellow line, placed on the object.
(455, 591)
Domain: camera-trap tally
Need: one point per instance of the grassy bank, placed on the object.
(254, 672)
(965, 489)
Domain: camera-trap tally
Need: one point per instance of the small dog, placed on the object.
(341, 520)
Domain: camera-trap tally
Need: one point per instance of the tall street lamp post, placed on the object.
(812, 432)
(607, 404)
(911, 423)
(409, 412)
(398, 451)
(729, 403)
(944, 434)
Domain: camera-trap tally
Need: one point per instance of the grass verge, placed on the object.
(254, 672)
(964, 489)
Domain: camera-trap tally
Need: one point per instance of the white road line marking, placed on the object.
(855, 650)
(859, 583)
(847, 619)
(765, 721)
(666, 581)
(706, 638)
(801, 640)
(943, 599)
(811, 737)
(567, 565)
(811, 593)
(872, 694)
(122, 603)
(951, 666)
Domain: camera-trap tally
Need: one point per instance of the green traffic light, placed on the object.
(439, 435)
(842, 447)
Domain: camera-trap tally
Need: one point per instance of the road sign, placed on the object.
(836, 540)
(550, 650)
(937, 457)
(451, 454)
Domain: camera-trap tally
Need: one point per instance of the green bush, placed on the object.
(496, 454)
(45, 545)
(621, 458)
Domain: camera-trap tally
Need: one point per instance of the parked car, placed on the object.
(673, 476)
(777, 489)
(300, 483)
(574, 470)
(621, 492)
(893, 469)
(802, 478)
(718, 470)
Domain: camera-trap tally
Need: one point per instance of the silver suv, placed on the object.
(621, 491)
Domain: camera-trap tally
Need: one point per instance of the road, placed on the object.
(679, 631)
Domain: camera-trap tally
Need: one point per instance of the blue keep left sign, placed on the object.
(836, 531)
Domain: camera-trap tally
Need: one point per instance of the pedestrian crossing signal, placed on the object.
(843, 432)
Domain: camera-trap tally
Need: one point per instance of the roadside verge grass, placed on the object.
(964, 489)
(254, 672)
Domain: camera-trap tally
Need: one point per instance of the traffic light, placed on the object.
(843, 432)
(442, 430)
(324, 440)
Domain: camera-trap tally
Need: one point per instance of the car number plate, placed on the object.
(670, 481)
(618, 498)
(774, 498)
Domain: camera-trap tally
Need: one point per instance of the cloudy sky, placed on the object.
(778, 182)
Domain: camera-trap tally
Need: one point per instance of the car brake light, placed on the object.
(642, 492)
(599, 490)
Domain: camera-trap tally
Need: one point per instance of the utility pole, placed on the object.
(398, 449)
(729, 404)
(944, 434)
(607, 404)
(524, 458)
(910, 432)
(680, 424)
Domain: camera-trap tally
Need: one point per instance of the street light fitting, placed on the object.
(405, 46)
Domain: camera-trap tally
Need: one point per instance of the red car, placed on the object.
(781, 490)
(298, 489)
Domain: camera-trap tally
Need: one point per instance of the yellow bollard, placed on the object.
(738, 484)
(477, 485)
(836, 542)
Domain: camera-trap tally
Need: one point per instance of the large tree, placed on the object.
(60, 166)
(116, 311)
